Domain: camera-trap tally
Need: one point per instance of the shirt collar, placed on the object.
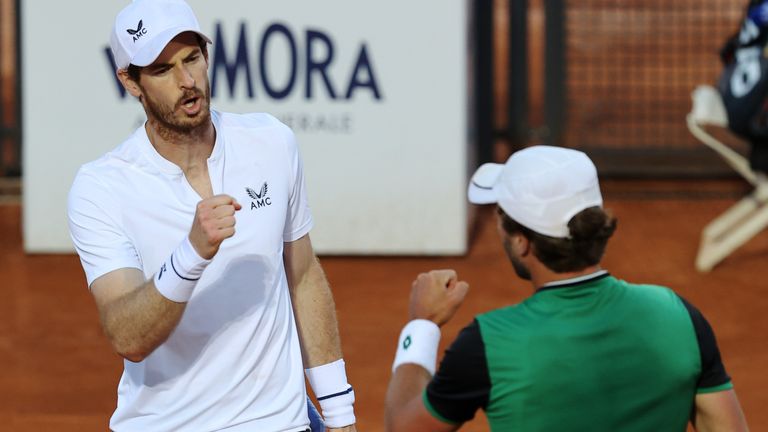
(575, 280)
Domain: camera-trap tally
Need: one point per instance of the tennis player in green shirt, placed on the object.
(585, 352)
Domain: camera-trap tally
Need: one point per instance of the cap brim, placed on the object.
(481, 186)
(152, 50)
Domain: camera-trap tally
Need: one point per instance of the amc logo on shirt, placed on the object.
(260, 198)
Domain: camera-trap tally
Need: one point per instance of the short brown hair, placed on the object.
(589, 229)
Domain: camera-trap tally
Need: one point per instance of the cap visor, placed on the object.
(481, 186)
(152, 50)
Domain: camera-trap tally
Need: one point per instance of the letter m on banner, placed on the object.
(232, 69)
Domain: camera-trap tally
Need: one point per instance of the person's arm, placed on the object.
(138, 315)
(312, 303)
(405, 410)
(716, 407)
(718, 412)
(134, 315)
(315, 313)
(435, 297)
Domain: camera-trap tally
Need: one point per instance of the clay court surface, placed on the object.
(58, 373)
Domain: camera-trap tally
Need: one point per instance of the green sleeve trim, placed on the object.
(434, 413)
(721, 387)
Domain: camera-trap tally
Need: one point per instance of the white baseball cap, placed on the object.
(540, 187)
(144, 27)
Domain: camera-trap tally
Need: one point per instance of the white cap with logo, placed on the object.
(144, 27)
(540, 187)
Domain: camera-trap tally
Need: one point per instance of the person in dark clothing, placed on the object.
(743, 83)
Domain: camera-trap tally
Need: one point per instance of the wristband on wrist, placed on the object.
(333, 392)
(418, 344)
(179, 274)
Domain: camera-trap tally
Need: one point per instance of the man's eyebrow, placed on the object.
(157, 66)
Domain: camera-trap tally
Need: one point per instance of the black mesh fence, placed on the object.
(630, 68)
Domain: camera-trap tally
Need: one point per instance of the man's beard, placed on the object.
(520, 269)
(166, 121)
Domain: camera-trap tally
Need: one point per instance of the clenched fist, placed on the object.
(436, 296)
(214, 222)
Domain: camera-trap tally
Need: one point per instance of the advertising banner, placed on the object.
(376, 92)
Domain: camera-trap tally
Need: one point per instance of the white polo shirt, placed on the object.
(234, 360)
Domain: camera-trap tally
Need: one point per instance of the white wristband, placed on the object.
(333, 392)
(418, 344)
(179, 274)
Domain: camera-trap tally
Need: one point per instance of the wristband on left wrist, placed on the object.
(333, 392)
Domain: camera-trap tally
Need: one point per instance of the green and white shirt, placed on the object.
(596, 354)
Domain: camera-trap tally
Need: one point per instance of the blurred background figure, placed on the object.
(744, 82)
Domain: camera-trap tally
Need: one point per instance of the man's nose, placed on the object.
(186, 80)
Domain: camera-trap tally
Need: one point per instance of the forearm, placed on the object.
(435, 296)
(315, 313)
(138, 314)
(404, 396)
(140, 321)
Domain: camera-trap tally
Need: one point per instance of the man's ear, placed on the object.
(131, 86)
(522, 246)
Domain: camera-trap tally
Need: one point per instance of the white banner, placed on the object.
(377, 93)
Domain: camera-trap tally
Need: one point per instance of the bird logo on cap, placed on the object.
(140, 31)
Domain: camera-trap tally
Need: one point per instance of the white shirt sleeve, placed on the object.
(298, 219)
(94, 225)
